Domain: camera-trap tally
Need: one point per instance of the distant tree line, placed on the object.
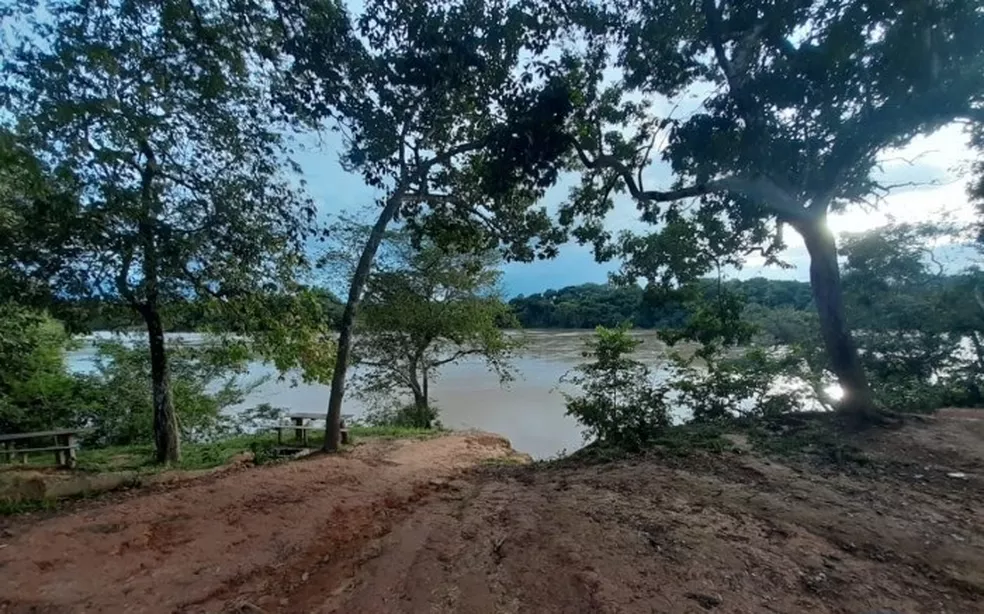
(592, 305)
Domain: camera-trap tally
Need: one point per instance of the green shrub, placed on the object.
(36, 392)
(619, 404)
(118, 407)
(410, 416)
(756, 383)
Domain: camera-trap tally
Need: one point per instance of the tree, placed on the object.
(801, 98)
(425, 309)
(436, 104)
(156, 114)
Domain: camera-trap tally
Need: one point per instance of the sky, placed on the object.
(939, 161)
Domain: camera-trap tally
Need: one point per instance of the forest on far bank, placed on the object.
(590, 305)
(582, 306)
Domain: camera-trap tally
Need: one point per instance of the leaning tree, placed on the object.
(796, 100)
(155, 117)
(436, 104)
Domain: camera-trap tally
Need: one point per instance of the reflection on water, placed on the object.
(528, 411)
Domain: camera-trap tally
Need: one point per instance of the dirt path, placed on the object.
(197, 547)
(724, 533)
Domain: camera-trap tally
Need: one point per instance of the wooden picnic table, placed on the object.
(301, 428)
(65, 447)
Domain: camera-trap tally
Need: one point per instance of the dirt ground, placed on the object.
(429, 527)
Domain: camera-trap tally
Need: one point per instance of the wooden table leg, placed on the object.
(298, 433)
(70, 453)
(60, 456)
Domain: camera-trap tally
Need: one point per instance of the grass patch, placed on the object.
(515, 460)
(26, 506)
(140, 457)
(686, 438)
(195, 456)
(681, 440)
(392, 432)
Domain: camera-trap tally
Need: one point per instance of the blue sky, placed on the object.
(941, 160)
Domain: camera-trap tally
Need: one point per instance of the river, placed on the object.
(529, 411)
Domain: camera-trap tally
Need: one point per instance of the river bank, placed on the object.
(529, 411)
(885, 521)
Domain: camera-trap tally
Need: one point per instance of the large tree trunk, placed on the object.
(333, 434)
(842, 353)
(166, 440)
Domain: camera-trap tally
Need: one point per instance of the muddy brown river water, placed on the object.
(529, 411)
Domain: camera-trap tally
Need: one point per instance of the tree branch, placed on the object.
(761, 189)
(613, 163)
(446, 157)
(645, 157)
(450, 199)
(713, 18)
(200, 286)
(874, 128)
(456, 356)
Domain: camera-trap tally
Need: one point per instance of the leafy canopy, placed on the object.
(434, 103)
(157, 119)
(922, 330)
(791, 104)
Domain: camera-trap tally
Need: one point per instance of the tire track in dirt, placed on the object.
(250, 534)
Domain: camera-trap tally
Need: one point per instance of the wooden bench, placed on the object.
(300, 427)
(65, 446)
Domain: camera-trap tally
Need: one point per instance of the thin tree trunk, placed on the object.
(418, 390)
(166, 438)
(333, 435)
(842, 352)
(167, 444)
(424, 378)
(421, 403)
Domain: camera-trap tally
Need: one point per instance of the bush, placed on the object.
(619, 405)
(404, 416)
(118, 406)
(36, 392)
(756, 383)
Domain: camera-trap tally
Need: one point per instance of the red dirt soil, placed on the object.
(407, 527)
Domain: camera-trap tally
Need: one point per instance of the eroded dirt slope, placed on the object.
(194, 547)
(724, 532)
(730, 532)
